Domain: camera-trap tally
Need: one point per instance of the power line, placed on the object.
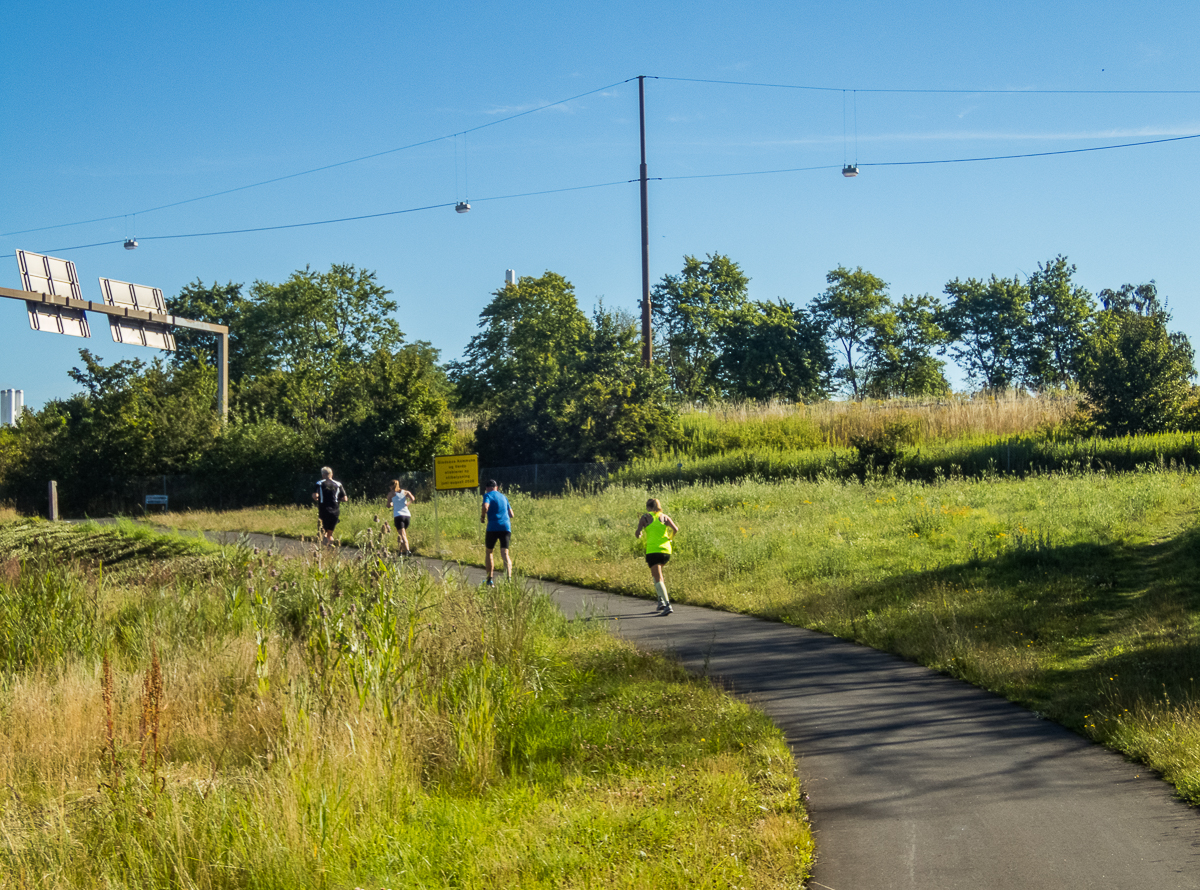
(598, 185)
(1036, 154)
(321, 169)
(529, 111)
(1032, 92)
(327, 222)
(742, 173)
(576, 188)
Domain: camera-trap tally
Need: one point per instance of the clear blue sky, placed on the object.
(114, 108)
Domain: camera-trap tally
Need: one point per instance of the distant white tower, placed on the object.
(12, 403)
(510, 276)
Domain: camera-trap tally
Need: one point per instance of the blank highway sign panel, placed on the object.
(131, 330)
(48, 275)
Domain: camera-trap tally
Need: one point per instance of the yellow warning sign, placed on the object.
(452, 471)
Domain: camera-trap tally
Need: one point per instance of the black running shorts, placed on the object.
(401, 521)
(657, 559)
(490, 539)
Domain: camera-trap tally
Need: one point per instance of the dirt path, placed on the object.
(917, 780)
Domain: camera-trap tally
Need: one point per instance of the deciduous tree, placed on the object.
(1134, 372)
(988, 324)
(551, 385)
(689, 310)
(1059, 311)
(773, 351)
(215, 304)
(530, 333)
(902, 349)
(316, 321)
(391, 412)
(852, 308)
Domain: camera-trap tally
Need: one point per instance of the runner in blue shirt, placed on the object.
(497, 512)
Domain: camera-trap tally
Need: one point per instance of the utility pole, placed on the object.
(647, 350)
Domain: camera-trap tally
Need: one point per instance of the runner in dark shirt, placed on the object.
(329, 497)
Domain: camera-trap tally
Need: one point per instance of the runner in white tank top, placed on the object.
(399, 500)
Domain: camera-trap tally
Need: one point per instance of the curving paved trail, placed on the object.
(916, 780)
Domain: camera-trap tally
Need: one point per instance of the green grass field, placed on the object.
(1075, 594)
(178, 715)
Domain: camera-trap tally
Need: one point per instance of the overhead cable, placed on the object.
(957, 91)
(378, 154)
(327, 222)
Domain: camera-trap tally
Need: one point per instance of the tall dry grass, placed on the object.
(239, 720)
(711, 428)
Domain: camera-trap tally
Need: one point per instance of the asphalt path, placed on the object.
(914, 779)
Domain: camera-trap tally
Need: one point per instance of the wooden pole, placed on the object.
(647, 348)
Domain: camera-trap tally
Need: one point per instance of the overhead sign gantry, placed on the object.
(137, 314)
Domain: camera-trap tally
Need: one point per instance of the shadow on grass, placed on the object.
(1060, 629)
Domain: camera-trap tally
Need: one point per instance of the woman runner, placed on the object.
(659, 529)
(398, 499)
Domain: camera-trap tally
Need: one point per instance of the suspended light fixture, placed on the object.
(131, 244)
(463, 206)
(849, 170)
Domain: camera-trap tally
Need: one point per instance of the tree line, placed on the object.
(1039, 333)
(320, 372)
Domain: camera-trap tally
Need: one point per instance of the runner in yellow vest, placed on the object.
(659, 529)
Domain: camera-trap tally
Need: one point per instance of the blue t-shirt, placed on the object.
(497, 512)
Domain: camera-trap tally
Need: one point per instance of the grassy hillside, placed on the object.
(1075, 594)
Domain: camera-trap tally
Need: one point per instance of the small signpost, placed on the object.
(157, 500)
(452, 472)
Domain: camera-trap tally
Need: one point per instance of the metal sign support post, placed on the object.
(437, 535)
